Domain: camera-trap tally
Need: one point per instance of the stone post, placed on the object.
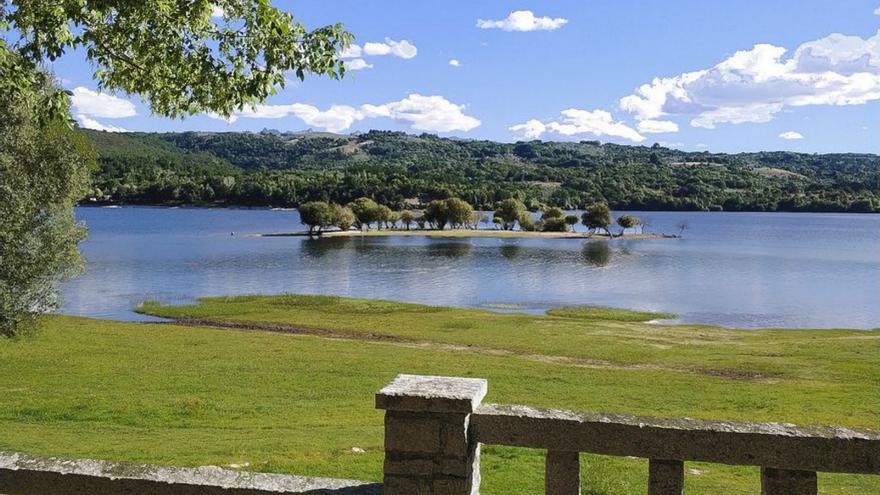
(788, 482)
(428, 447)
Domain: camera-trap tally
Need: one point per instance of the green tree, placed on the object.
(509, 211)
(44, 169)
(597, 216)
(553, 212)
(571, 221)
(437, 214)
(526, 222)
(317, 215)
(341, 216)
(554, 224)
(627, 222)
(366, 211)
(407, 218)
(393, 219)
(383, 216)
(459, 212)
(172, 54)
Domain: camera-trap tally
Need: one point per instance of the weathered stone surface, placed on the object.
(665, 477)
(408, 467)
(26, 474)
(562, 473)
(785, 482)
(408, 433)
(410, 486)
(432, 394)
(780, 446)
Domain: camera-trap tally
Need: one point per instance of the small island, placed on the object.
(454, 217)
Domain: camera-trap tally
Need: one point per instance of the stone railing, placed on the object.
(434, 427)
(22, 474)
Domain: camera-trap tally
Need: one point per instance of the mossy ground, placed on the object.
(172, 394)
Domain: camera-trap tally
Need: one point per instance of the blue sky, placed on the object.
(730, 76)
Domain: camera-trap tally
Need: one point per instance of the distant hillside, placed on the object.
(278, 169)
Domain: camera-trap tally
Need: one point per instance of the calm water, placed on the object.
(735, 269)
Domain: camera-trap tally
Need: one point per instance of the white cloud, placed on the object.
(574, 122)
(455, 62)
(353, 51)
(217, 11)
(93, 104)
(753, 85)
(357, 64)
(791, 135)
(701, 146)
(877, 11)
(657, 126)
(402, 48)
(423, 113)
(523, 20)
(90, 123)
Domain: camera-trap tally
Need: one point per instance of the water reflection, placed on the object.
(784, 270)
(597, 253)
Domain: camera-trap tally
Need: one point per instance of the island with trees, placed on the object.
(454, 217)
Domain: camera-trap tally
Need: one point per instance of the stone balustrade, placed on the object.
(433, 430)
(434, 427)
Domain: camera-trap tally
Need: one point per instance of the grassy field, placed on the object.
(298, 398)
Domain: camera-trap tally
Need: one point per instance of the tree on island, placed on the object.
(383, 216)
(459, 212)
(341, 216)
(509, 211)
(317, 215)
(165, 55)
(366, 211)
(407, 218)
(627, 222)
(553, 220)
(571, 221)
(597, 216)
(437, 214)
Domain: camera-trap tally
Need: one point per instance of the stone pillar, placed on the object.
(428, 447)
(562, 473)
(665, 477)
(788, 482)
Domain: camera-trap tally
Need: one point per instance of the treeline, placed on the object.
(364, 213)
(400, 170)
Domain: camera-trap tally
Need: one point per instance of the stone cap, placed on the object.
(442, 394)
(23, 473)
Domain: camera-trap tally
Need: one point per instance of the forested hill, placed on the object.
(273, 169)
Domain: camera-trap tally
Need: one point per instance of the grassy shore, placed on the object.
(298, 396)
(504, 234)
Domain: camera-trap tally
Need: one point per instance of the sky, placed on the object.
(738, 75)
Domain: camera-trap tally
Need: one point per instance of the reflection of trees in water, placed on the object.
(320, 247)
(597, 253)
(449, 249)
(510, 251)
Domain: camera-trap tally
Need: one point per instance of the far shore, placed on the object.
(464, 233)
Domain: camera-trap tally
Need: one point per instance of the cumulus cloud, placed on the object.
(89, 123)
(423, 113)
(94, 104)
(217, 11)
(357, 64)
(657, 126)
(402, 48)
(353, 51)
(790, 135)
(877, 11)
(576, 122)
(455, 62)
(523, 20)
(753, 85)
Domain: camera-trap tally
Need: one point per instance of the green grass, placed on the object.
(179, 395)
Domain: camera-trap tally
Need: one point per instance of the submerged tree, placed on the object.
(459, 212)
(173, 54)
(317, 215)
(366, 211)
(571, 221)
(407, 218)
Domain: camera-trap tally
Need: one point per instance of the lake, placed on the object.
(744, 270)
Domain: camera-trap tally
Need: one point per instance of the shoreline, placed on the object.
(466, 233)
